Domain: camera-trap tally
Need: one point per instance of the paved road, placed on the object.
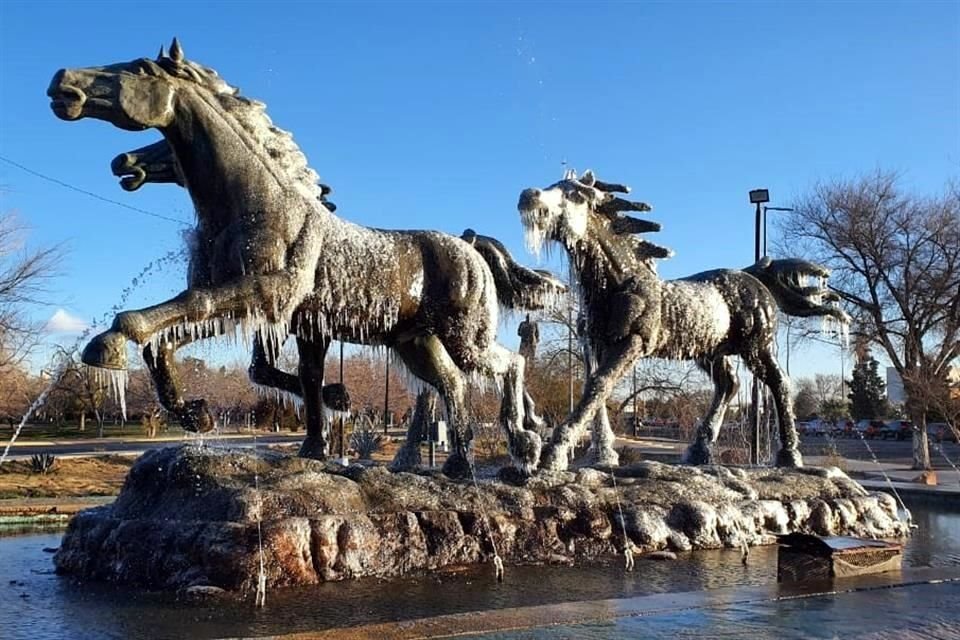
(893, 451)
(900, 451)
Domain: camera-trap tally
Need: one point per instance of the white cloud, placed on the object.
(62, 322)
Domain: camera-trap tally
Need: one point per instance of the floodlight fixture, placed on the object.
(759, 196)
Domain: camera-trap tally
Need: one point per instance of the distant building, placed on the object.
(895, 393)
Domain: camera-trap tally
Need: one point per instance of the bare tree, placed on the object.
(23, 276)
(78, 390)
(896, 263)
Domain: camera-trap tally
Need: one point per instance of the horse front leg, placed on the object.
(193, 415)
(312, 356)
(272, 294)
(614, 363)
(602, 452)
(767, 369)
(725, 385)
(265, 374)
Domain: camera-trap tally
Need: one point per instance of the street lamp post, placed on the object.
(386, 392)
(758, 197)
(343, 426)
(765, 209)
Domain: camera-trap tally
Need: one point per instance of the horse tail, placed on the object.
(786, 280)
(517, 286)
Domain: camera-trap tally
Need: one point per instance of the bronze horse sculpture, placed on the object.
(156, 163)
(277, 261)
(631, 313)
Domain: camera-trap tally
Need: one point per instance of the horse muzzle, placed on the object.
(126, 167)
(66, 100)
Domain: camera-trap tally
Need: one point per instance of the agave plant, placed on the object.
(42, 462)
(365, 440)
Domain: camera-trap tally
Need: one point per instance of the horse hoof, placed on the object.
(313, 448)
(525, 450)
(553, 459)
(697, 455)
(533, 422)
(512, 476)
(107, 351)
(605, 458)
(335, 397)
(195, 417)
(457, 467)
(407, 459)
(789, 458)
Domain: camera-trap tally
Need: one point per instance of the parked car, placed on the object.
(814, 427)
(941, 432)
(897, 429)
(843, 427)
(868, 428)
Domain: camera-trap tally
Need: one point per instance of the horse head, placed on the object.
(561, 211)
(156, 163)
(152, 163)
(134, 95)
(566, 210)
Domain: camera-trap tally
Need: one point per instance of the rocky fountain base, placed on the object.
(187, 516)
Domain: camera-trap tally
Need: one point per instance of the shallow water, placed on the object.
(919, 611)
(35, 603)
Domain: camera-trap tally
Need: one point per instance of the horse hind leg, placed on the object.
(523, 444)
(725, 385)
(408, 455)
(428, 359)
(766, 368)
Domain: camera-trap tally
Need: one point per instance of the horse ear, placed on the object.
(161, 55)
(588, 178)
(176, 51)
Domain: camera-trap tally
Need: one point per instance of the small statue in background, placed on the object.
(529, 334)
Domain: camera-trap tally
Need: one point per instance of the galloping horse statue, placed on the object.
(155, 163)
(280, 262)
(631, 313)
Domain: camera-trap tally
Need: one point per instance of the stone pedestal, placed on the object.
(188, 515)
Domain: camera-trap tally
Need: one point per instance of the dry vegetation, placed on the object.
(70, 477)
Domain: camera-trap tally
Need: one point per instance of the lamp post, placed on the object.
(386, 393)
(765, 209)
(343, 426)
(758, 197)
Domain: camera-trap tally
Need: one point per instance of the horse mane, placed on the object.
(625, 229)
(251, 115)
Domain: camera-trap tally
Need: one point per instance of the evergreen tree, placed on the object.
(867, 391)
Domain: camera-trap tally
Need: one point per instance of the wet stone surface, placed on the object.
(187, 517)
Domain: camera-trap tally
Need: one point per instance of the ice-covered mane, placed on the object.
(280, 149)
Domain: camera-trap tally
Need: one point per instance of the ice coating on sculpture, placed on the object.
(273, 260)
(631, 313)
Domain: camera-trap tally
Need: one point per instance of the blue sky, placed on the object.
(436, 115)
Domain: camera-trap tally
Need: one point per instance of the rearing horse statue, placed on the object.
(280, 262)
